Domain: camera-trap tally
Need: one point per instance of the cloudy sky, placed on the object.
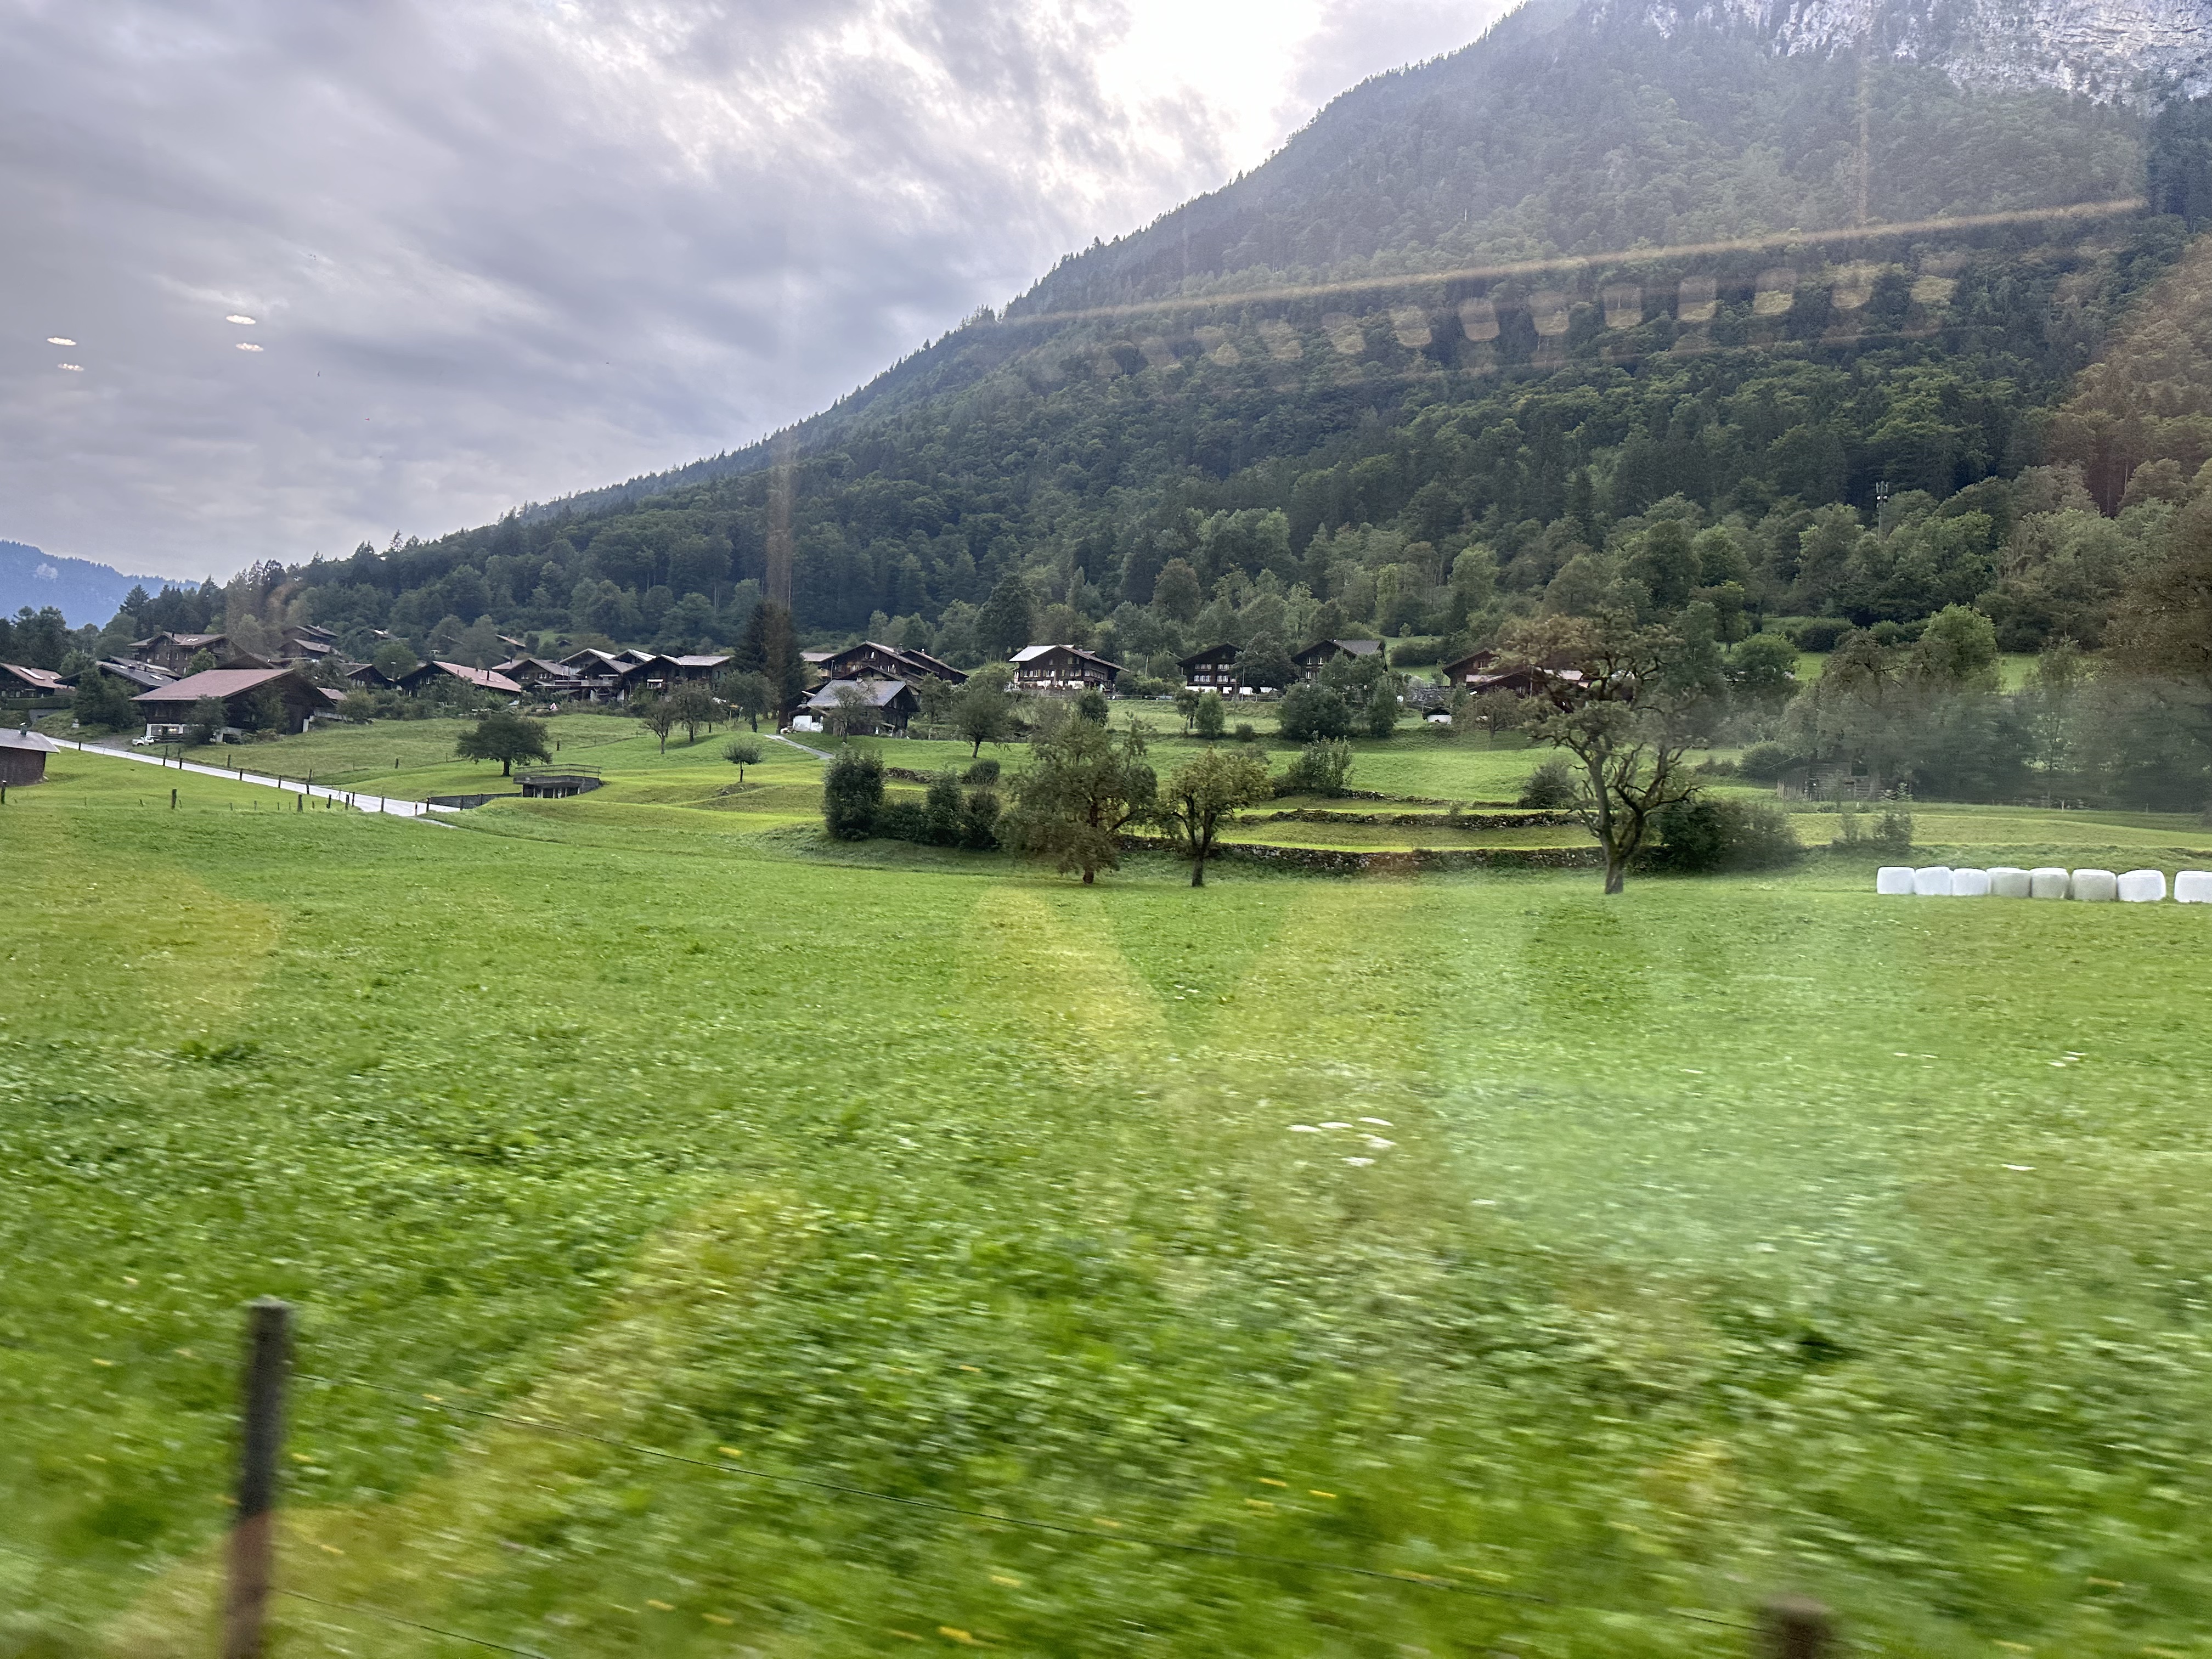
(495, 251)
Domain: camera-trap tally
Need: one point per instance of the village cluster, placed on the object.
(173, 676)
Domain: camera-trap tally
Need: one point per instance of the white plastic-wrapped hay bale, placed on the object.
(2142, 887)
(2048, 882)
(2192, 887)
(1893, 879)
(2096, 886)
(2006, 882)
(1970, 884)
(1933, 882)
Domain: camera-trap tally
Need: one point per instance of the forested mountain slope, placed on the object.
(1406, 376)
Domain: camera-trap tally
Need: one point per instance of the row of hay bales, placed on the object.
(2095, 886)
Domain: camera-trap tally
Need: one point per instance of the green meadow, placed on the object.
(1462, 1266)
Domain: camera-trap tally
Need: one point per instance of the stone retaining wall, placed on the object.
(1336, 861)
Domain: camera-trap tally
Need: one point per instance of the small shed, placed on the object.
(23, 757)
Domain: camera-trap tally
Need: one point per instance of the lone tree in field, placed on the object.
(657, 716)
(505, 738)
(1207, 793)
(693, 706)
(749, 692)
(1628, 701)
(1212, 716)
(742, 752)
(982, 711)
(1082, 786)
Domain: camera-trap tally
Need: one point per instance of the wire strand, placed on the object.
(411, 1624)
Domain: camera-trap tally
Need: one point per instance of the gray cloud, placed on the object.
(498, 249)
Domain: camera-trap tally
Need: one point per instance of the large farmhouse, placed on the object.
(1062, 668)
(169, 708)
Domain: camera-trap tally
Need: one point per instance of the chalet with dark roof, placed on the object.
(1063, 668)
(871, 661)
(1321, 653)
(1214, 669)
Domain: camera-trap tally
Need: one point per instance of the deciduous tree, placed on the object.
(1628, 701)
(656, 715)
(1206, 794)
(1082, 786)
(748, 691)
(506, 738)
(744, 751)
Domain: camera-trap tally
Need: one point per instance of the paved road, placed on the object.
(388, 804)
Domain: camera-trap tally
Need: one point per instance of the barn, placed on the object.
(23, 757)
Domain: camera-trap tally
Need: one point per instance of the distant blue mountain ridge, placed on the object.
(81, 590)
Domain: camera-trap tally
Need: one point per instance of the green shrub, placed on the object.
(1245, 731)
(1320, 768)
(1415, 653)
(941, 812)
(982, 773)
(853, 794)
(1764, 763)
(1312, 714)
(1892, 832)
(1710, 832)
(1821, 633)
(979, 821)
(1550, 786)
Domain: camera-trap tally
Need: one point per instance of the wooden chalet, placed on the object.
(1063, 668)
(1478, 673)
(540, 678)
(892, 703)
(140, 675)
(23, 757)
(871, 661)
(424, 674)
(175, 652)
(169, 708)
(1321, 653)
(304, 643)
(1468, 669)
(19, 682)
(368, 677)
(1211, 670)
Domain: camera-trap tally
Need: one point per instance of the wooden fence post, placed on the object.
(1795, 1628)
(253, 1534)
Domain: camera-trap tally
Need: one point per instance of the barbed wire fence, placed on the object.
(1784, 1627)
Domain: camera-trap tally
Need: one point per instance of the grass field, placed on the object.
(1731, 1236)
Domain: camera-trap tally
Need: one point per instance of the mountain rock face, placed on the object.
(2111, 51)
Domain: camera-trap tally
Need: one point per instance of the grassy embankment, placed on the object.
(1733, 1235)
